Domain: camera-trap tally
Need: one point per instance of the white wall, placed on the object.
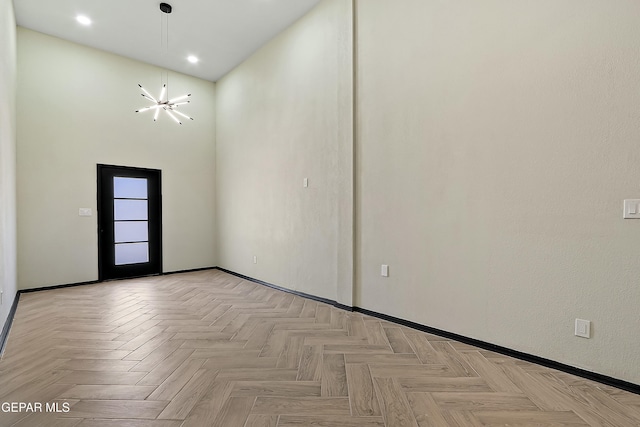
(497, 142)
(76, 109)
(7, 157)
(285, 115)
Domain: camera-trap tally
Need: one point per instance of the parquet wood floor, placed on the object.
(210, 349)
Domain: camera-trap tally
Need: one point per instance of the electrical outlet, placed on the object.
(583, 328)
(255, 259)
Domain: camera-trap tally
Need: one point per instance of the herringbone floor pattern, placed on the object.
(210, 349)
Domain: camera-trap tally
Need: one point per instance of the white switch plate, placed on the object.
(583, 328)
(305, 182)
(384, 271)
(84, 212)
(631, 209)
(255, 259)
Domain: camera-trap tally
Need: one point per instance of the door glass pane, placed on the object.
(131, 231)
(129, 188)
(132, 253)
(127, 210)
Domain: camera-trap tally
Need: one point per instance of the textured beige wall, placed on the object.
(282, 116)
(497, 142)
(8, 67)
(75, 110)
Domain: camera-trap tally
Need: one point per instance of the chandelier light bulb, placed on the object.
(149, 96)
(179, 98)
(173, 117)
(181, 114)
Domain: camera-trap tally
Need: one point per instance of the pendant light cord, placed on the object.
(167, 104)
(164, 48)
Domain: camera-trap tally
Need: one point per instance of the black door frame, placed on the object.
(107, 270)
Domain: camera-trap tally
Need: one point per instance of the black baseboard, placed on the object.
(193, 270)
(289, 291)
(603, 379)
(344, 307)
(66, 285)
(7, 324)
(93, 282)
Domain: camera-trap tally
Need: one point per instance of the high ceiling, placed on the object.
(221, 33)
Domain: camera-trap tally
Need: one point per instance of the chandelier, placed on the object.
(170, 106)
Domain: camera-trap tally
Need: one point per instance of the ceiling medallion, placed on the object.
(170, 106)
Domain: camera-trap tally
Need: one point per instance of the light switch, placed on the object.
(583, 328)
(632, 209)
(84, 212)
(384, 271)
(305, 182)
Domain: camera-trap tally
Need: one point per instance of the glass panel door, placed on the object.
(129, 217)
(131, 225)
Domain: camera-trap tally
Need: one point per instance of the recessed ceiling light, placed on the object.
(192, 59)
(84, 20)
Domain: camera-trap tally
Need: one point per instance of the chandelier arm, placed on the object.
(171, 101)
(181, 114)
(172, 116)
(148, 94)
(142, 110)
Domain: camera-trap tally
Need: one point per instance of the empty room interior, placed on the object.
(319, 213)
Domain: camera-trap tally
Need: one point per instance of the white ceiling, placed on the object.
(221, 33)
